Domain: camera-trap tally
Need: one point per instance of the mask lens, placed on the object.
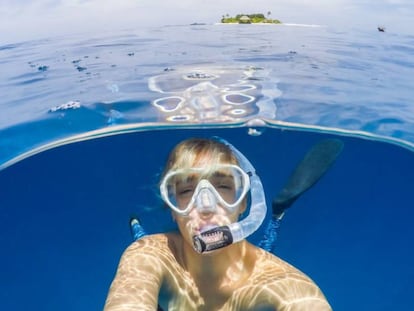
(229, 183)
(180, 189)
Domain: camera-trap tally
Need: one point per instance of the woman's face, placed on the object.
(202, 218)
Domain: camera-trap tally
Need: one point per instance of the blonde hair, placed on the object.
(191, 151)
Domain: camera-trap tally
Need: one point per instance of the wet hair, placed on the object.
(190, 152)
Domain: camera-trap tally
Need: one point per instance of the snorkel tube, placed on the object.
(222, 236)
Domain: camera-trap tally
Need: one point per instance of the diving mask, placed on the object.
(204, 188)
(204, 185)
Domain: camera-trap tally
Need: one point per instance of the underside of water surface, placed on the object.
(312, 78)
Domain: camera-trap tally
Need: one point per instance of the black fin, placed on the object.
(313, 166)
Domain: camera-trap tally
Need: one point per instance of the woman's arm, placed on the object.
(138, 278)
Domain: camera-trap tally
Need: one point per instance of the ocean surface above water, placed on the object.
(273, 91)
(357, 82)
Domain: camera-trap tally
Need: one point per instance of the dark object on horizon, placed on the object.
(381, 29)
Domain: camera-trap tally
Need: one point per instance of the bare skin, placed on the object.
(164, 269)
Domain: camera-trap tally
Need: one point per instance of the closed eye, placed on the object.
(185, 191)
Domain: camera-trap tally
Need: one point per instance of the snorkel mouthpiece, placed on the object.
(212, 239)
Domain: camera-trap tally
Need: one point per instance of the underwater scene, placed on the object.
(87, 123)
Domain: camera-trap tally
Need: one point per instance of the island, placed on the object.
(257, 18)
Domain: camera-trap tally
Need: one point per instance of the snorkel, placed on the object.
(221, 236)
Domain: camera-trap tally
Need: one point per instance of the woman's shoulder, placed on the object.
(160, 244)
(282, 277)
(279, 270)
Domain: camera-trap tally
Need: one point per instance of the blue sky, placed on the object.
(27, 19)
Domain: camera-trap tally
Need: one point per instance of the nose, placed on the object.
(206, 202)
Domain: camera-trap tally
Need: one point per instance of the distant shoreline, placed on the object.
(274, 24)
(258, 18)
(280, 24)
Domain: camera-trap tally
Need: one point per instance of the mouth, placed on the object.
(205, 228)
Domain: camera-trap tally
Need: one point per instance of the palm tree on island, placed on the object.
(249, 19)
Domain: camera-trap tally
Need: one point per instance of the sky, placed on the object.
(33, 19)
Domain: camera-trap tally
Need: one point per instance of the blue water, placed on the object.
(65, 211)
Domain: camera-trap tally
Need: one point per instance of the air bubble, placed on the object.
(255, 131)
(256, 127)
(256, 123)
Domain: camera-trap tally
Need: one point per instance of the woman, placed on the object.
(208, 264)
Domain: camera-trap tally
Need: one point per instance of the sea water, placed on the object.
(65, 211)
